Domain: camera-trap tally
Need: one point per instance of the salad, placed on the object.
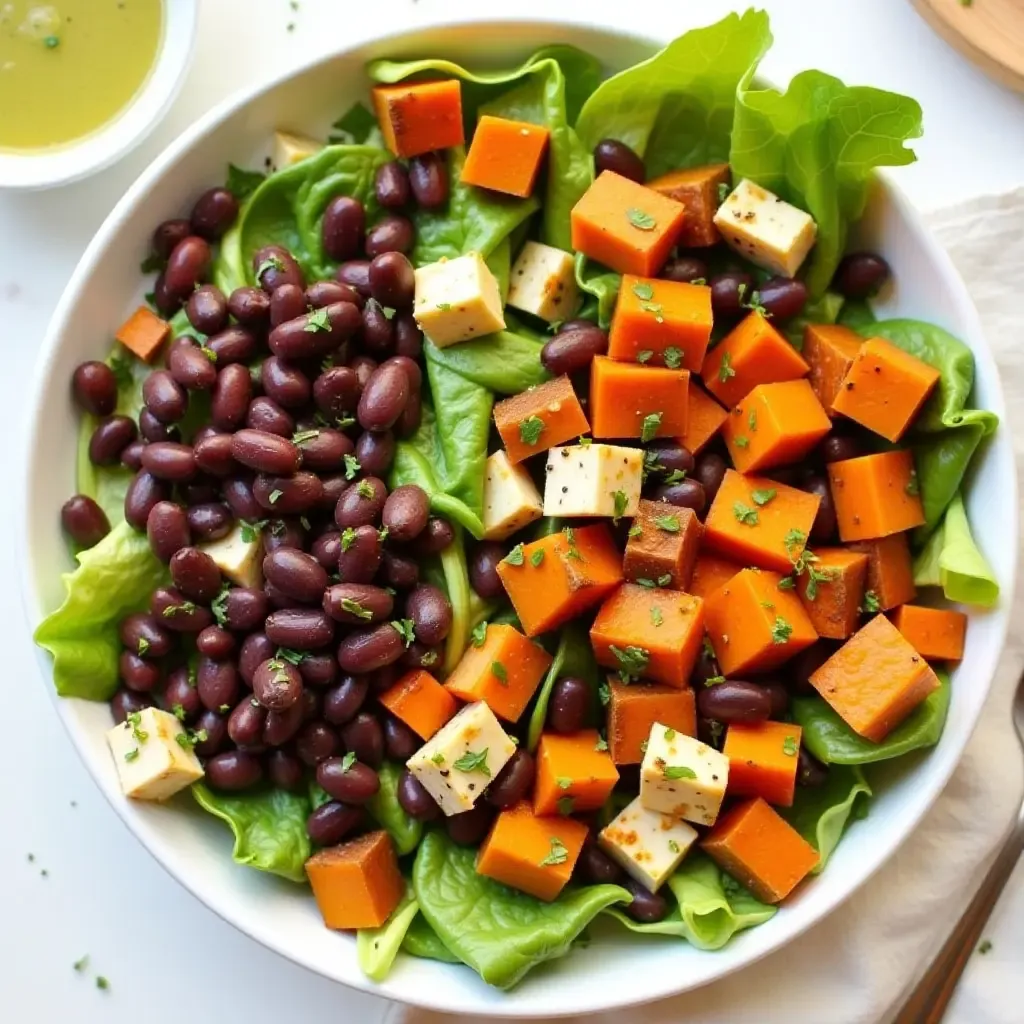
(510, 512)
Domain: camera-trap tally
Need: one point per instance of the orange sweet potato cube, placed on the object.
(356, 884)
(663, 541)
(633, 709)
(143, 333)
(752, 353)
(560, 576)
(935, 633)
(628, 400)
(504, 671)
(763, 760)
(661, 323)
(875, 495)
(540, 418)
(650, 633)
(572, 774)
(704, 419)
(775, 425)
(760, 850)
(626, 226)
(756, 521)
(697, 189)
(529, 853)
(421, 702)
(417, 117)
(710, 572)
(832, 588)
(885, 388)
(875, 680)
(754, 625)
(829, 350)
(890, 579)
(505, 156)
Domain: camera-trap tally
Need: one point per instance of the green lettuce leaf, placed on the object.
(856, 314)
(507, 362)
(600, 283)
(421, 940)
(574, 657)
(376, 948)
(832, 741)
(499, 932)
(385, 809)
(113, 579)
(269, 827)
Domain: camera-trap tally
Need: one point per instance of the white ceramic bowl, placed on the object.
(64, 164)
(618, 969)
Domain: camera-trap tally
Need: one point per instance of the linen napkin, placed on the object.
(854, 967)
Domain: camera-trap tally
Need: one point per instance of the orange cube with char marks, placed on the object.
(875, 680)
(421, 702)
(697, 189)
(775, 425)
(504, 671)
(143, 333)
(752, 353)
(561, 576)
(890, 580)
(653, 634)
(935, 633)
(757, 521)
(763, 760)
(710, 572)
(661, 323)
(572, 774)
(627, 400)
(663, 541)
(532, 854)
(885, 388)
(417, 117)
(505, 156)
(540, 418)
(755, 625)
(704, 419)
(753, 844)
(875, 495)
(633, 709)
(626, 226)
(357, 884)
(829, 350)
(832, 588)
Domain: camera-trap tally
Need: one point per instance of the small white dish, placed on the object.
(61, 165)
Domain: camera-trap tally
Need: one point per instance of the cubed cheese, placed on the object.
(239, 559)
(153, 755)
(458, 762)
(647, 845)
(543, 282)
(593, 480)
(682, 777)
(457, 300)
(511, 499)
(766, 230)
(290, 149)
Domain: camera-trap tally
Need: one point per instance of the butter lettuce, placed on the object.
(376, 948)
(385, 809)
(421, 940)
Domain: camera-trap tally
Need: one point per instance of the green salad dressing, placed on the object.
(68, 68)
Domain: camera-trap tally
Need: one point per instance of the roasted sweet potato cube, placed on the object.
(763, 760)
(356, 884)
(935, 633)
(417, 117)
(421, 702)
(832, 588)
(890, 580)
(505, 156)
(829, 350)
(704, 419)
(697, 189)
(629, 400)
(710, 572)
(538, 419)
(663, 541)
(143, 333)
(876, 495)
(573, 774)
(633, 709)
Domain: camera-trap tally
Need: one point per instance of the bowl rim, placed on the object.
(787, 928)
(35, 170)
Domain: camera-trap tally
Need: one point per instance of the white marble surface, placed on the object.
(73, 881)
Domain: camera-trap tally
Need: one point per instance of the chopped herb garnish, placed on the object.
(101, 983)
(601, 745)
(132, 755)
(870, 604)
(438, 758)
(516, 556)
(51, 42)
(635, 530)
(665, 580)
(913, 488)
(250, 531)
(179, 712)
(479, 634)
(219, 605)
(723, 192)
(352, 467)
(564, 782)
(275, 496)
(678, 771)
(741, 441)
(656, 308)
(499, 672)
(673, 846)
(347, 761)
(632, 661)
(794, 539)
(272, 262)
(365, 489)
(643, 290)
(134, 719)
(470, 762)
(80, 965)
(537, 557)
(725, 370)
(292, 657)
(656, 617)
(781, 630)
(645, 355)
(714, 680)
(645, 581)
(405, 628)
(530, 429)
(677, 476)
(301, 436)
(185, 608)
(428, 659)
(651, 423)
(348, 538)
(745, 514)
(586, 442)
(558, 854)
(752, 419)
(640, 219)
(604, 694)
(142, 646)
(787, 583)
(621, 501)
(570, 539)
(670, 734)
(790, 747)
(762, 495)
(356, 609)
(985, 946)
(565, 805)
(673, 357)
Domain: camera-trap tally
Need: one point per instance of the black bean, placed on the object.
(277, 684)
(256, 648)
(95, 387)
(131, 455)
(84, 521)
(840, 447)
(191, 366)
(187, 266)
(195, 574)
(360, 556)
(238, 494)
(860, 275)
(710, 471)
(213, 456)
(734, 701)
(355, 274)
(572, 351)
(336, 391)
(647, 907)
(296, 574)
(326, 293)
(343, 702)
(315, 334)
(200, 490)
(400, 571)
(265, 452)
(384, 678)
(470, 827)
(153, 430)
(168, 460)
(406, 512)
(274, 266)
(324, 449)
(265, 414)
(569, 705)
(375, 452)
(212, 733)
(348, 781)
(391, 234)
(428, 178)
(235, 344)
(175, 612)
(110, 438)
(284, 771)
(214, 212)
(218, 683)
(233, 771)
(419, 655)
(408, 336)
(288, 495)
(315, 742)
(282, 726)
(143, 493)
(167, 305)
(143, 635)
(300, 629)
(180, 691)
(232, 392)
(825, 522)
(384, 398)
(364, 737)
(357, 604)
(685, 494)
(286, 384)
(378, 336)
(287, 303)
(686, 269)
(806, 663)
(245, 723)
(207, 310)
(778, 694)
(705, 668)
(167, 529)
(165, 398)
(415, 800)
(363, 366)
(596, 867)
(285, 533)
(215, 642)
(342, 228)
(671, 456)
(514, 782)
(331, 822)
(400, 742)
(365, 650)
(728, 293)
(612, 155)
(438, 535)
(361, 504)
(168, 234)
(138, 674)
(126, 702)
(319, 670)
(431, 613)
(391, 186)
(782, 298)
(810, 771)
(483, 569)
(249, 306)
(326, 548)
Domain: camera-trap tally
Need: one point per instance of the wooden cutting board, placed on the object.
(989, 32)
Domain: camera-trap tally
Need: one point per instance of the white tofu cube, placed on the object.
(543, 282)
(458, 300)
(290, 149)
(647, 845)
(765, 229)
(239, 559)
(153, 755)
(682, 777)
(460, 760)
(511, 499)
(593, 480)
